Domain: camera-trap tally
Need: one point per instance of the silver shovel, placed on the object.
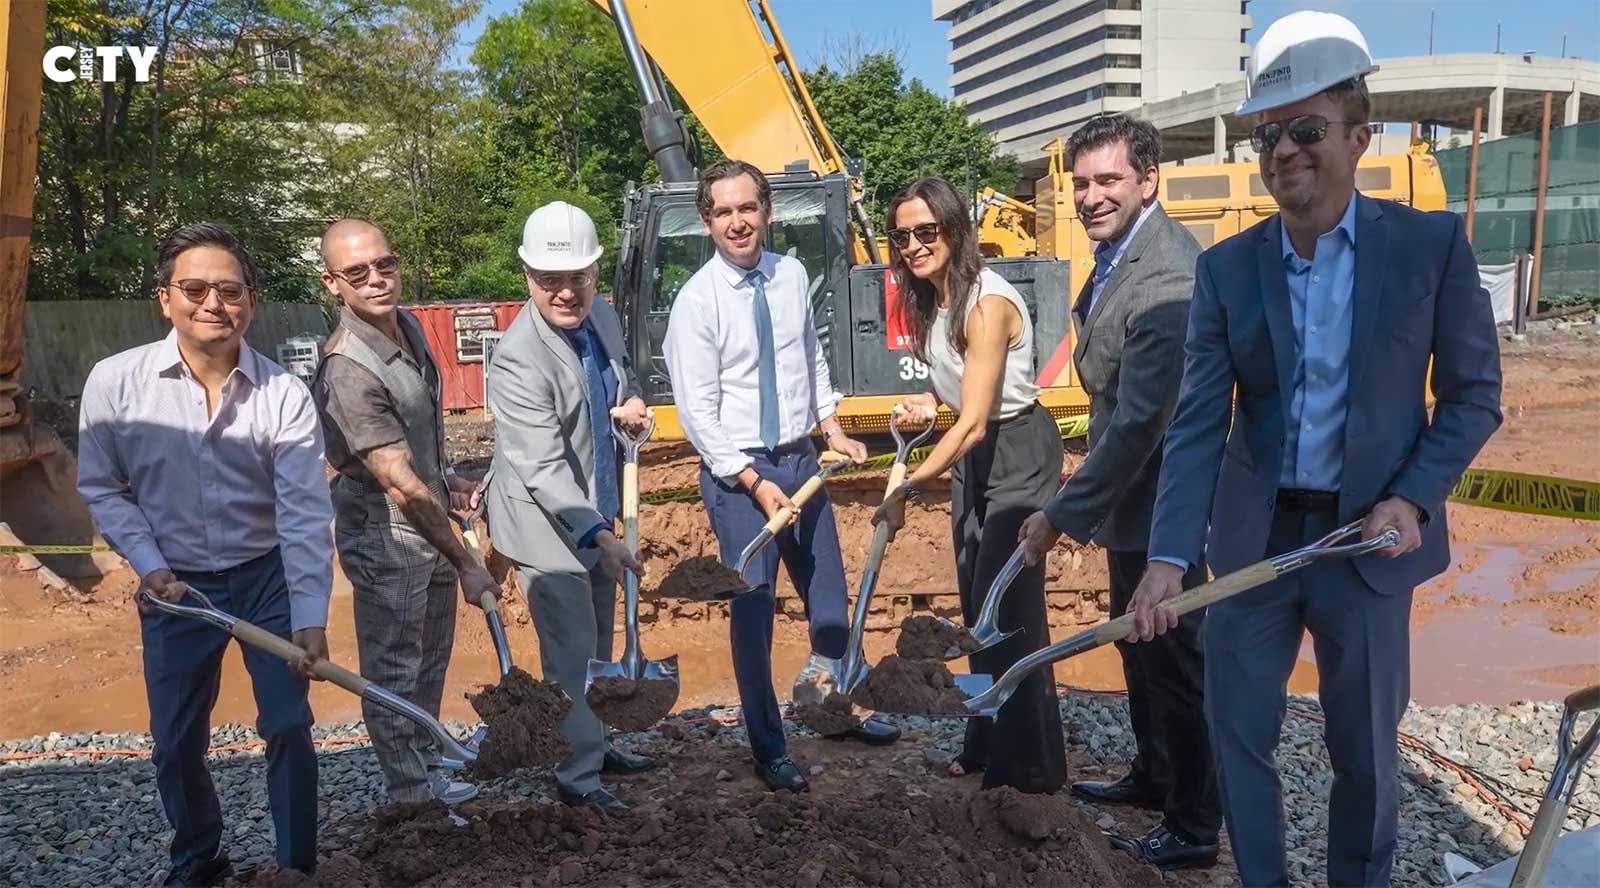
(830, 462)
(821, 676)
(1244, 579)
(453, 754)
(633, 666)
(491, 613)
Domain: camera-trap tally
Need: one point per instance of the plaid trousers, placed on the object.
(405, 612)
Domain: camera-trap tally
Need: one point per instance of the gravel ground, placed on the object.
(83, 820)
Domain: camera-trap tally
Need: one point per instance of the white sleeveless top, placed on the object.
(1017, 389)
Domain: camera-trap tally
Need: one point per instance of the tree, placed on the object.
(904, 130)
(120, 163)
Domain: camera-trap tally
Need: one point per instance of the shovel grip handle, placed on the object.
(897, 476)
(630, 493)
(1200, 596)
(782, 517)
(255, 636)
(487, 601)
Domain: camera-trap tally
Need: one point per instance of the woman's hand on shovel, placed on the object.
(315, 641)
(892, 511)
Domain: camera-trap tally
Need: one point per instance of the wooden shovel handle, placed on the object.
(487, 601)
(255, 636)
(781, 519)
(1200, 596)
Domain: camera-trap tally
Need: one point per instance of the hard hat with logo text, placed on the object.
(559, 237)
(1300, 55)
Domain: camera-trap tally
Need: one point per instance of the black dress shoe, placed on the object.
(1119, 792)
(201, 872)
(619, 762)
(1166, 850)
(598, 798)
(871, 732)
(782, 773)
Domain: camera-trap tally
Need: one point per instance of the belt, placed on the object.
(1295, 499)
(799, 445)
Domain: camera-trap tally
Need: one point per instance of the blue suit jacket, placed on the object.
(1416, 296)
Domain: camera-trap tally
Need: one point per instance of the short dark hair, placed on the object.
(202, 234)
(1354, 97)
(1141, 137)
(730, 168)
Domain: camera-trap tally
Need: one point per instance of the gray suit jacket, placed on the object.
(1129, 356)
(1416, 297)
(540, 499)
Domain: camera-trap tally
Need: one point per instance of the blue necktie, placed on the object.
(768, 362)
(605, 449)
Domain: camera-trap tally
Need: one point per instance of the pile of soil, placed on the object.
(699, 579)
(834, 715)
(929, 638)
(629, 705)
(521, 714)
(877, 834)
(335, 871)
(910, 687)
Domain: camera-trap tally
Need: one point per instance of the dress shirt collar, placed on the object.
(375, 339)
(169, 360)
(1347, 224)
(736, 276)
(1113, 249)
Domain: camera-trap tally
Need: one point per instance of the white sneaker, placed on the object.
(451, 792)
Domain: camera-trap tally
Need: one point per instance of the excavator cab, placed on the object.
(663, 243)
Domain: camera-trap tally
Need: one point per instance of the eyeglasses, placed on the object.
(555, 283)
(196, 290)
(926, 233)
(357, 275)
(1307, 129)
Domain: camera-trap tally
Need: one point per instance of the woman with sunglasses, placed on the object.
(1003, 453)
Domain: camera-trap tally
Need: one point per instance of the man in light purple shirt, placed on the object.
(201, 461)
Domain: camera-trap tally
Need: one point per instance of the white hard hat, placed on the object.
(559, 237)
(1300, 55)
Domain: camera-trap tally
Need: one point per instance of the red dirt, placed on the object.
(629, 705)
(928, 638)
(834, 715)
(521, 714)
(886, 832)
(910, 687)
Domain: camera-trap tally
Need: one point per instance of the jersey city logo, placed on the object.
(58, 66)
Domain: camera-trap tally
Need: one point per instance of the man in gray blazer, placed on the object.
(1130, 318)
(552, 494)
(1316, 327)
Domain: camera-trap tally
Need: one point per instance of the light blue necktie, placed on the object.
(767, 360)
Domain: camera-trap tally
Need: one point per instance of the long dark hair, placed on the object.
(919, 301)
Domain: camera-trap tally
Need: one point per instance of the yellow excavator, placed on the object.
(729, 62)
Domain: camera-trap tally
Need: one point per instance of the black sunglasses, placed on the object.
(926, 233)
(1307, 129)
(358, 274)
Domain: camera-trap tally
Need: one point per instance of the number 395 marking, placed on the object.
(911, 368)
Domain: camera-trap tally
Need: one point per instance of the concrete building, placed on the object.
(1031, 70)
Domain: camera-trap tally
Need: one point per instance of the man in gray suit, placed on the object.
(1318, 325)
(552, 493)
(1131, 317)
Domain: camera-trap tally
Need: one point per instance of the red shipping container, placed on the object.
(453, 331)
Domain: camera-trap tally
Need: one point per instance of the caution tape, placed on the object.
(1071, 427)
(52, 550)
(1533, 494)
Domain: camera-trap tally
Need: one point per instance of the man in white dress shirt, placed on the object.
(750, 382)
(201, 461)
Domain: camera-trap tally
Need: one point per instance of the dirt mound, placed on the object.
(877, 835)
(929, 638)
(521, 713)
(336, 871)
(910, 687)
(834, 715)
(629, 705)
(698, 579)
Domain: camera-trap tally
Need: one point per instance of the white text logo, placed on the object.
(59, 62)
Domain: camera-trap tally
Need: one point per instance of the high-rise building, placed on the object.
(1031, 70)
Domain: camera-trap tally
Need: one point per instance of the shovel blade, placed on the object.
(987, 640)
(633, 713)
(819, 677)
(602, 669)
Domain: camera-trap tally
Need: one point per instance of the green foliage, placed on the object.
(904, 130)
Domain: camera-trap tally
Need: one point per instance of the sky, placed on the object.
(817, 29)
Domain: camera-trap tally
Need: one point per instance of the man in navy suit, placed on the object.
(1317, 326)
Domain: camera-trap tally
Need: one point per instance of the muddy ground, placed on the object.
(1516, 617)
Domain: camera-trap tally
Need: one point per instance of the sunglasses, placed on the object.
(196, 290)
(1307, 129)
(555, 283)
(926, 234)
(357, 275)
